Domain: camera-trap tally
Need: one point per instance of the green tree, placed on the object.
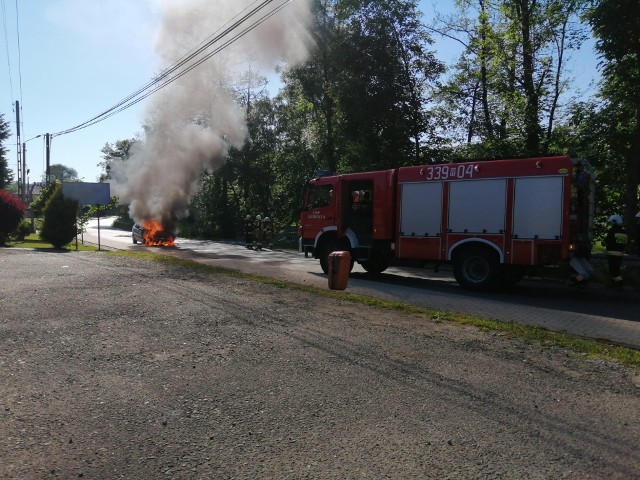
(59, 226)
(299, 153)
(385, 68)
(595, 133)
(63, 173)
(37, 206)
(245, 182)
(363, 93)
(507, 86)
(616, 25)
(309, 98)
(6, 175)
(113, 154)
(11, 214)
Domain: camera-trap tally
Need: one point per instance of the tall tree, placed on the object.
(6, 175)
(112, 154)
(299, 152)
(616, 24)
(385, 70)
(512, 72)
(63, 173)
(247, 182)
(365, 89)
(309, 91)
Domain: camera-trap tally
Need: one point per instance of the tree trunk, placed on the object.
(472, 120)
(330, 153)
(488, 123)
(557, 84)
(525, 8)
(414, 100)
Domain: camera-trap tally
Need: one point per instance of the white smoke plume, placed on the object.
(193, 120)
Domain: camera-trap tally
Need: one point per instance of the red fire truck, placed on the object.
(490, 219)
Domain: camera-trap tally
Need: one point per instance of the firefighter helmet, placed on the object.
(258, 217)
(267, 219)
(615, 220)
(248, 217)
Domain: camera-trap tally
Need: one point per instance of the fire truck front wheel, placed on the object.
(477, 268)
(327, 249)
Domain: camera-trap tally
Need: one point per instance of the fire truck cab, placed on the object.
(490, 219)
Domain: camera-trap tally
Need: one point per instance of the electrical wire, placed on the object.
(180, 74)
(189, 61)
(19, 52)
(6, 43)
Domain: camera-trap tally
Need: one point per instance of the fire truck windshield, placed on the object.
(319, 196)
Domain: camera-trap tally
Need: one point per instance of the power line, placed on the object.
(172, 73)
(180, 74)
(19, 51)
(6, 43)
(131, 99)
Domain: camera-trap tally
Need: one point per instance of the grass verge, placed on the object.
(34, 241)
(540, 336)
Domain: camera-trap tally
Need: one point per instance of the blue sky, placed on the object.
(80, 57)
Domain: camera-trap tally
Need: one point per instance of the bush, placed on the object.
(23, 230)
(37, 206)
(11, 214)
(59, 227)
(123, 222)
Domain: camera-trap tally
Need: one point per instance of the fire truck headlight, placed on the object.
(538, 164)
(572, 247)
(476, 168)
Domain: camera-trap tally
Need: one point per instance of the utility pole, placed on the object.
(47, 142)
(18, 144)
(24, 172)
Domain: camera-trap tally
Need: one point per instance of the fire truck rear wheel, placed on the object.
(477, 268)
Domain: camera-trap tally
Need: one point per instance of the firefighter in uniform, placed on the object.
(616, 242)
(257, 233)
(248, 231)
(267, 228)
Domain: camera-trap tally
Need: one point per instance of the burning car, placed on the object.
(137, 234)
(152, 233)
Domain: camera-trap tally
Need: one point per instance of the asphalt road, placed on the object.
(590, 312)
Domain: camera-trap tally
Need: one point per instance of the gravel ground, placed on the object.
(113, 367)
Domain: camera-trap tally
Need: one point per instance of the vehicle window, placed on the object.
(320, 196)
(360, 198)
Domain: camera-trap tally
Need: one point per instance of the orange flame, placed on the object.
(156, 235)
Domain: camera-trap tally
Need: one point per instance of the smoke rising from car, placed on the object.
(190, 124)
